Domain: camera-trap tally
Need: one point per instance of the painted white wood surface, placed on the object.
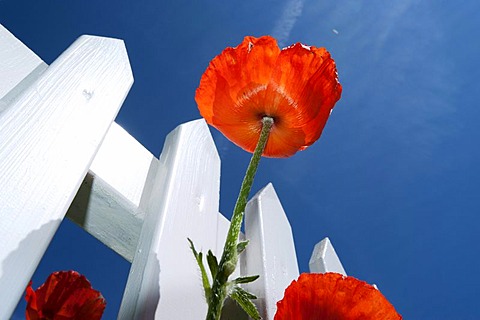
(183, 203)
(124, 164)
(49, 134)
(110, 204)
(19, 67)
(271, 251)
(324, 259)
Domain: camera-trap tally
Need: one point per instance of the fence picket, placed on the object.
(183, 203)
(49, 135)
(324, 259)
(19, 67)
(271, 251)
(110, 203)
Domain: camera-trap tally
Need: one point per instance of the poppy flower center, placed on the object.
(262, 116)
(268, 119)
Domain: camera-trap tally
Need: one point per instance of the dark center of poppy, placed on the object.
(262, 116)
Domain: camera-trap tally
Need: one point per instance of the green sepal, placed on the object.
(243, 298)
(205, 281)
(246, 279)
(241, 246)
(212, 263)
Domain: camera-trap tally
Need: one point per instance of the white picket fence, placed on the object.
(62, 154)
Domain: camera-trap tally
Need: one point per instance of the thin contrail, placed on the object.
(283, 27)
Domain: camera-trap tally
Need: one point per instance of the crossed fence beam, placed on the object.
(62, 154)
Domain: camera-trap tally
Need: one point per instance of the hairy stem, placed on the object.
(229, 258)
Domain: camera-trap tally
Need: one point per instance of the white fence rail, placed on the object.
(62, 154)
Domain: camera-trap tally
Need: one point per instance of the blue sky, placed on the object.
(394, 180)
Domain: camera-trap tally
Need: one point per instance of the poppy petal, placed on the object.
(308, 75)
(66, 295)
(233, 79)
(233, 75)
(332, 296)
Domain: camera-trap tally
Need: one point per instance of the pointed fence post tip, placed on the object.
(324, 259)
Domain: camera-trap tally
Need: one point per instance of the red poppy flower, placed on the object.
(296, 86)
(332, 296)
(66, 295)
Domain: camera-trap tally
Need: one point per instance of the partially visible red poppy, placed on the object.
(332, 296)
(66, 295)
(296, 86)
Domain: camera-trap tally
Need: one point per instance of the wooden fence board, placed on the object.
(19, 67)
(110, 204)
(271, 251)
(324, 259)
(48, 138)
(183, 203)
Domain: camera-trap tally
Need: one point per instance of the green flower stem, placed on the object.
(229, 259)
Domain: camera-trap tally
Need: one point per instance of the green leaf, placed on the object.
(205, 281)
(212, 263)
(245, 279)
(243, 298)
(249, 295)
(241, 246)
